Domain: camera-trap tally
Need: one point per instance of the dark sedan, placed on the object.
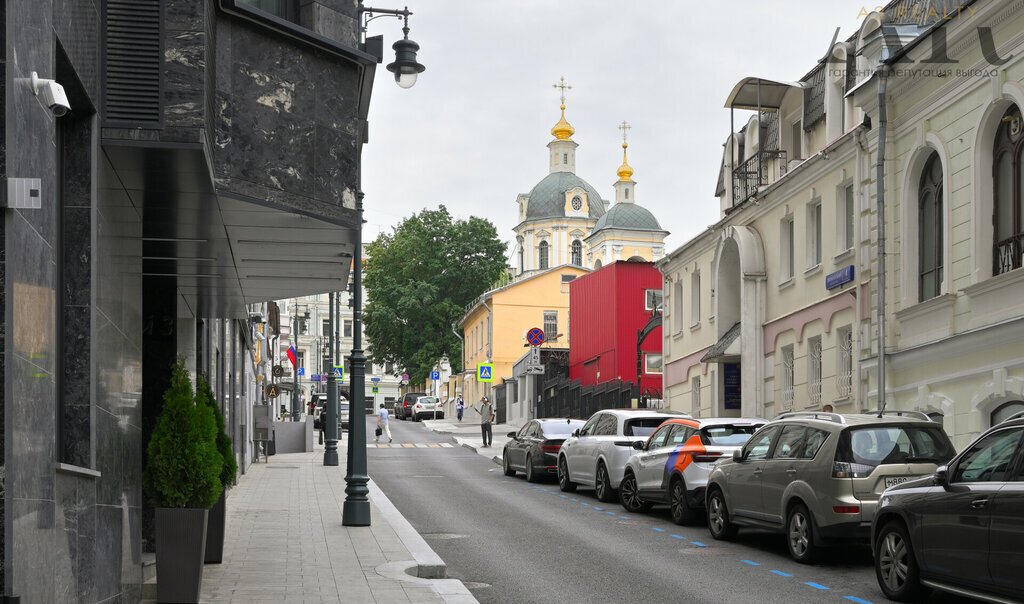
(534, 449)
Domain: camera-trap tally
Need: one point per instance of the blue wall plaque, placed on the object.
(841, 276)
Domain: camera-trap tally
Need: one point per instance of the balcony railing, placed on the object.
(759, 170)
(1008, 254)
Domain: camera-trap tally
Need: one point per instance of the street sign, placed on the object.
(315, 377)
(375, 379)
(273, 391)
(405, 377)
(535, 336)
(339, 373)
(277, 371)
(375, 390)
(435, 375)
(302, 371)
(485, 372)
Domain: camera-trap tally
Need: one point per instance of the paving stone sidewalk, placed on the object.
(285, 542)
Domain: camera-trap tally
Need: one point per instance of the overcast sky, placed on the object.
(471, 133)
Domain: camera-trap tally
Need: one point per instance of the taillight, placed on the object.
(845, 469)
(707, 456)
(550, 448)
(846, 509)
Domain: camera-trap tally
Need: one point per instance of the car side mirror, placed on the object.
(941, 476)
(737, 455)
(576, 433)
(511, 434)
(638, 445)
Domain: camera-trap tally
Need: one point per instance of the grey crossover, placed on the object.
(816, 477)
(961, 529)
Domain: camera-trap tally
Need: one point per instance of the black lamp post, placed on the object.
(356, 510)
(331, 429)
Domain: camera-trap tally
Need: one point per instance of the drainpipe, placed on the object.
(880, 183)
(462, 346)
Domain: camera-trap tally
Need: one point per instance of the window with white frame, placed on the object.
(814, 370)
(845, 215)
(346, 328)
(844, 355)
(550, 324)
(786, 248)
(577, 252)
(787, 377)
(695, 396)
(543, 251)
(814, 234)
(695, 298)
(652, 362)
(652, 299)
(677, 305)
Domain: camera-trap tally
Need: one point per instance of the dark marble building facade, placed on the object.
(209, 161)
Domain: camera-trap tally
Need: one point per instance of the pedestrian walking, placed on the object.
(486, 411)
(460, 406)
(382, 423)
(323, 424)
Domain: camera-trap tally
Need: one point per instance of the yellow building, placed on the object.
(495, 325)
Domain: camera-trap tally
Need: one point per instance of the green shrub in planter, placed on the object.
(183, 467)
(205, 397)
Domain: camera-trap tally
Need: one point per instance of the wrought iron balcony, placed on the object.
(1008, 254)
(760, 169)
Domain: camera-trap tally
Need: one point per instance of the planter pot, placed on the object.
(215, 531)
(180, 546)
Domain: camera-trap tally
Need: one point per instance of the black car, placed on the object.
(961, 529)
(534, 449)
(403, 408)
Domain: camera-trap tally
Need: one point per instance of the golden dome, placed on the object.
(562, 130)
(625, 172)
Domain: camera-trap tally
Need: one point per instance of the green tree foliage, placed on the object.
(183, 466)
(205, 397)
(418, 279)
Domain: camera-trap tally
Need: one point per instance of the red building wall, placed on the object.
(606, 309)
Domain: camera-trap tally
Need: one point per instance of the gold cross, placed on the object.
(624, 127)
(563, 86)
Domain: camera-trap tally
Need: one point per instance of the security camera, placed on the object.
(52, 93)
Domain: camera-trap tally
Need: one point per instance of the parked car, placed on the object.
(817, 476)
(343, 412)
(673, 465)
(403, 408)
(960, 528)
(596, 454)
(426, 407)
(534, 448)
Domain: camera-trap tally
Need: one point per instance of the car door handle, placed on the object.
(791, 471)
(979, 503)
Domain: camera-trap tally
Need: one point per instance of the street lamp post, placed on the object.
(356, 510)
(331, 429)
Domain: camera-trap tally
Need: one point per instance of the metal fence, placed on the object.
(567, 398)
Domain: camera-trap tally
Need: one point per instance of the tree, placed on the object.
(419, 279)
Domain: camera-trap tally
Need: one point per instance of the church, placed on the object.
(564, 220)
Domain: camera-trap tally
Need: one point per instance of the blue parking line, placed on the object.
(816, 585)
(574, 499)
(597, 508)
(657, 528)
(625, 517)
(585, 503)
(751, 563)
(781, 574)
(564, 496)
(856, 599)
(699, 544)
(677, 536)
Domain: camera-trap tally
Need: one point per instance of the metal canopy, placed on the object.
(223, 251)
(726, 350)
(758, 93)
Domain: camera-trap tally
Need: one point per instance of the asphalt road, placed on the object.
(512, 541)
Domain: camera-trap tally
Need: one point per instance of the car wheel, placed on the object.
(629, 495)
(564, 483)
(718, 517)
(800, 535)
(681, 511)
(530, 477)
(509, 470)
(895, 565)
(602, 485)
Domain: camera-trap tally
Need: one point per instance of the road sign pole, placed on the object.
(331, 429)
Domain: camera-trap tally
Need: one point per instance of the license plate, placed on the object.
(891, 481)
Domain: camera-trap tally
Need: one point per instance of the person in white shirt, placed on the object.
(382, 423)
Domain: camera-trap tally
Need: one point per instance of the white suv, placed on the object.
(596, 454)
(426, 407)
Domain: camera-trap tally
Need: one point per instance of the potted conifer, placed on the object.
(182, 478)
(216, 521)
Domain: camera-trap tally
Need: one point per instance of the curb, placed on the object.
(428, 564)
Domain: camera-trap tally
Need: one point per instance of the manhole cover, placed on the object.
(475, 585)
(443, 536)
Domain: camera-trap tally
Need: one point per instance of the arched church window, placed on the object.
(543, 255)
(930, 229)
(577, 252)
(1006, 410)
(577, 203)
(627, 193)
(522, 265)
(1008, 217)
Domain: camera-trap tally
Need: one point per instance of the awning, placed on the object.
(746, 93)
(727, 349)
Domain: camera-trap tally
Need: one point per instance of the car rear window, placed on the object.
(560, 429)
(876, 445)
(642, 426)
(427, 400)
(727, 435)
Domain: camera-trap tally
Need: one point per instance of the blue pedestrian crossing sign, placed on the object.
(485, 372)
(375, 389)
(435, 375)
(339, 373)
(302, 371)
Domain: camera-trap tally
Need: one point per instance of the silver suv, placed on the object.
(817, 476)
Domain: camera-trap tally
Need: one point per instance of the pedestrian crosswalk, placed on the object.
(409, 445)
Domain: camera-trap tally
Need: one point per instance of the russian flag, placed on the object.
(291, 356)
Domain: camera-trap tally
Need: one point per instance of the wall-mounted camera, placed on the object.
(52, 94)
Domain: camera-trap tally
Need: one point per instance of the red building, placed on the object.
(606, 309)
